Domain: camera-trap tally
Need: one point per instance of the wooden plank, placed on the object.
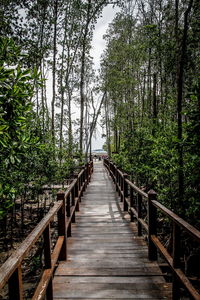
(125, 252)
(137, 286)
(108, 279)
(94, 256)
(91, 292)
(133, 298)
(117, 271)
(110, 263)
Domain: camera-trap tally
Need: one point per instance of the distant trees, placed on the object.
(150, 70)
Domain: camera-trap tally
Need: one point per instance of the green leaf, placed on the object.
(12, 159)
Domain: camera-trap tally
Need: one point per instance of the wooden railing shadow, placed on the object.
(63, 212)
(133, 199)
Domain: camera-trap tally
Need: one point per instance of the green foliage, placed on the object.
(139, 69)
(25, 157)
(16, 118)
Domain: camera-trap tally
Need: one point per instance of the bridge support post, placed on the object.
(62, 226)
(152, 222)
(176, 261)
(139, 209)
(76, 192)
(125, 192)
(15, 285)
(68, 215)
(131, 203)
(116, 178)
(47, 258)
(87, 173)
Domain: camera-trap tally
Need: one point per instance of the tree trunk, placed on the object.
(70, 135)
(94, 122)
(180, 85)
(54, 72)
(82, 81)
(107, 126)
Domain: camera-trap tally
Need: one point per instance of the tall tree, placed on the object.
(55, 15)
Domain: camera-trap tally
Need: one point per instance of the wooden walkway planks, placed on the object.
(105, 259)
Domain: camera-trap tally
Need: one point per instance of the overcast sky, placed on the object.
(98, 45)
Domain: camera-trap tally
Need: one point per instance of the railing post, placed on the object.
(121, 187)
(73, 203)
(131, 203)
(79, 188)
(76, 193)
(91, 168)
(47, 259)
(47, 247)
(112, 174)
(139, 210)
(15, 286)
(84, 177)
(62, 225)
(176, 261)
(68, 209)
(125, 192)
(87, 173)
(152, 225)
(73, 195)
(116, 177)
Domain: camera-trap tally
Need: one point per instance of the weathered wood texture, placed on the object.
(106, 260)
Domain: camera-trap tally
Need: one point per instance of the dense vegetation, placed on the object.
(151, 73)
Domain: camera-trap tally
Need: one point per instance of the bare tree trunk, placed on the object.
(180, 85)
(42, 100)
(149, 85)
(94, 122)
(54, 71)
(62, 93)
(155, 112)
(82, 81)
(70, 135)
(107, 127)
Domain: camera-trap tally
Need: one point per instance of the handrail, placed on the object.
(15, 259)
(65, 207)
(186, 226)
(132, 198)
(137, 189)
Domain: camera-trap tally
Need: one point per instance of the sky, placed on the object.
(98, 46)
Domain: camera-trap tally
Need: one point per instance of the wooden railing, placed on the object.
(64, 209)
(133, 199)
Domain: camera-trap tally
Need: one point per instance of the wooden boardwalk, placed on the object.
(105, 259)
